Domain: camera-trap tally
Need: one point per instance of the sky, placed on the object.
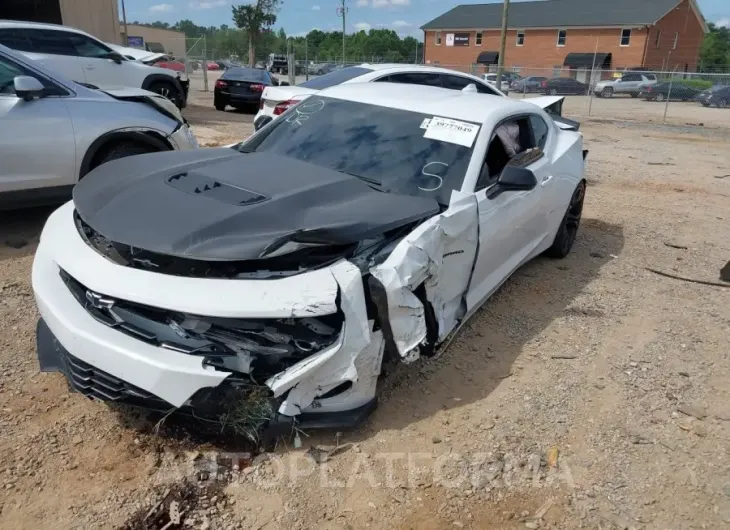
(298, 17)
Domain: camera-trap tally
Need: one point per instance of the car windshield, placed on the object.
(246, 74)
(391, 149)
(335, 77)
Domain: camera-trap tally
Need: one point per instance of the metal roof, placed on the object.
(556, 14)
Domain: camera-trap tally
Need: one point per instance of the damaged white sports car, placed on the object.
(262, 286)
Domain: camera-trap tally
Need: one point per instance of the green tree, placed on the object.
(255, 18)
(715, 50)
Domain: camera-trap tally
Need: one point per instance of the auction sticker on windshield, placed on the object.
(452, 131)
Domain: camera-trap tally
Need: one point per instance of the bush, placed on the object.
(698, 84)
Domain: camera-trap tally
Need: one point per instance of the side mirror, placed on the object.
(514, 178)
(284, 83)
(114, 56)
(27, 88)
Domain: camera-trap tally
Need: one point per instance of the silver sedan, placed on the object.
(53, 131)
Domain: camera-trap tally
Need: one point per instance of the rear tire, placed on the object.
(660, 97)
(553, 91)
(568, 229)
(634, 94)
(722, 104)
(119, 150)
(219, 106)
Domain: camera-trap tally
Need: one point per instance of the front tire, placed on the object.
(607, 92)
(568, 229)
(553, 91)
(722, 104)
(660, 97)
(167, 90)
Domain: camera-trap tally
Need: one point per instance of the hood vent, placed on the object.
(204, 186)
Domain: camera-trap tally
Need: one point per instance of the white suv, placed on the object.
(85, 59)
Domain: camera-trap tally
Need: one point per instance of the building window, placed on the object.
(625, 37)
(676, 38)
(516, 69)
(438, 38)
(479, 38)
(658, 38)
(562, 37)
(520, 38)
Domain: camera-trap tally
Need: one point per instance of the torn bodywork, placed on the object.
(296, 339)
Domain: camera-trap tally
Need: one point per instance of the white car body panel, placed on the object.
(461, 256)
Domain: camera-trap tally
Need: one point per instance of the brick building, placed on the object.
(570, 34)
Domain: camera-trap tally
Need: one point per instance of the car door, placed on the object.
(98, 68)
(37, 143)
(53, 49)
(629, 83)
(512, 225)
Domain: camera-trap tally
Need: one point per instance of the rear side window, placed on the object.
(539, 130)
(455, 82)
(416, 78)
(335, 77)
(16, 39)
(650, 77)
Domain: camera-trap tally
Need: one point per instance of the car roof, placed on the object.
(38, 25)
(455, 104)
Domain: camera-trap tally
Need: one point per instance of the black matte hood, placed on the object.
(219, 204)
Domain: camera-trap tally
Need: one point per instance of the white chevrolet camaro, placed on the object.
(266, 283)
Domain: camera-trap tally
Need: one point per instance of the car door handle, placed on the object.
(89, 66)
(546, 179)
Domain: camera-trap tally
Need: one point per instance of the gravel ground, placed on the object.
(587, 393)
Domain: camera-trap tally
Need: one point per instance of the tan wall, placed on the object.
(173, 41)
(99, 18)
(540, 49)
(681, 20)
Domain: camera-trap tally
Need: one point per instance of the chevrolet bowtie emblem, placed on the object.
(98, 301)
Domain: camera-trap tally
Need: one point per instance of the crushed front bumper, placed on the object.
(333, 387)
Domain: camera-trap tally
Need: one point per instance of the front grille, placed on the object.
(269, 345)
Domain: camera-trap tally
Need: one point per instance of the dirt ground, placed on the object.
(587, 393)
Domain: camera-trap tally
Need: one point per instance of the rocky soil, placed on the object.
(587, 393)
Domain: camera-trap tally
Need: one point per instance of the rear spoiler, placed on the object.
(553, 105)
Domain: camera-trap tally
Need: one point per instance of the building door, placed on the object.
(581, 75)
(48, 11)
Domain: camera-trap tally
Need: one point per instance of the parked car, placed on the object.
(563, 85)
(631, 83)
(200, 286)
(528, 84)
(717, 96)
(492, 80)
(322, 68)
(241, 87)
(85, 59)
(54, 131)
(212, 65)
(276, 100)
(675, 92)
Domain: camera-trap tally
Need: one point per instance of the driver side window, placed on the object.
(512, 143)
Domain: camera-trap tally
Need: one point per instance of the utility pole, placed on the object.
(500, 61)
(124, 20)
(342, 11)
